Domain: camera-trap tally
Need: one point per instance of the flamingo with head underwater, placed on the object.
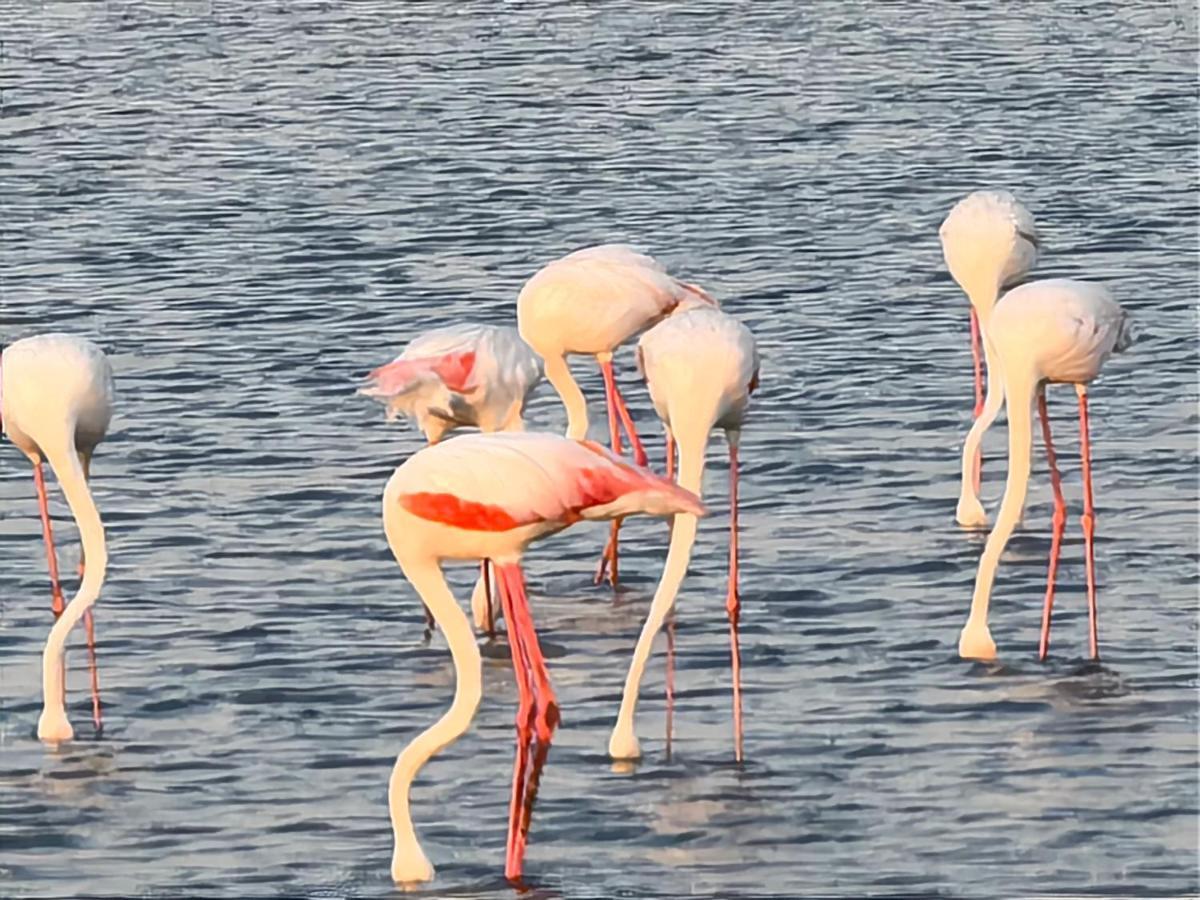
(589, 303)
(56, 402)
(701, 366)
(488, 496)
(989, 241)
(1045, 332)
(460, 376)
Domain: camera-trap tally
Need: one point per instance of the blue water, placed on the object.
(250, 204)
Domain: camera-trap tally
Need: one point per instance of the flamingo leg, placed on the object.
(608, 559)
(546, 713)
(733, 604)
(39, 480)
(639, 451)
(976, 357)
(1089, 522)
(89, 623)
(525, 712)
(490, 619)
(1060, 521)
(670, 456)
(670, 680)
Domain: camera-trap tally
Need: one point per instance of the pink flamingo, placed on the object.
(590, 302)
(460, 376)
(488, 496)
(701, 366)
(990, 242)
(56, 405)
(1053, 331)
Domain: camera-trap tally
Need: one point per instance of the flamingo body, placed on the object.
(487, 496)
(989, 241)
(590, 302)
(459, 376)
(56, 402)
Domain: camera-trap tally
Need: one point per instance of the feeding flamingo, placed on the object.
(460, 376)
(1054, 331)
(989, 241)
(488, 496)
(56, 401)
(590, 302)
(701, 366)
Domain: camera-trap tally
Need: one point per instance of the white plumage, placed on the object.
(459, 376)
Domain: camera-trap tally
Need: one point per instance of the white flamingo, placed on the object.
(461, 376)
(701, 366)
(488, 496)
(589, 303)
(1053, 331)
(56, 402)
(990, 242)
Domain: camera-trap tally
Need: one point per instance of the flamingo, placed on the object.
(990, 242)
(56, 403)
(1053, 331)
(460, 376)
(488, 496)
(701, 366)
(590, 302)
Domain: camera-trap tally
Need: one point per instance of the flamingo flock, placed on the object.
(487, 495)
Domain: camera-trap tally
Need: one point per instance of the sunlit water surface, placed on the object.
(250, 204)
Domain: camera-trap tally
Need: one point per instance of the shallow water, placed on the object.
(249, 205)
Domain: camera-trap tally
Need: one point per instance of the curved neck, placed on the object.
(992, 402)
(69, 471)
(983, 297)
(558, 373)
(1021, 392)
(429, 582)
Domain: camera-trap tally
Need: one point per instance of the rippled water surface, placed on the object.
(250, 204)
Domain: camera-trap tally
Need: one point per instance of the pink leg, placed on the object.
(608, 559)
(525, 711)
(733, 604)
(1060, 521)
(546, 714)
(57, 605)
(639, 452)
(489, 619)
(670, 680)
(89, 626)
(1089, 523)
(976, 356)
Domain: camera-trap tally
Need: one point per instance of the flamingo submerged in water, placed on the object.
(701, 366)
(460, 376)
(1053, 331)
(990, 242)
(488, 496)
(589, 303)
(56, 402)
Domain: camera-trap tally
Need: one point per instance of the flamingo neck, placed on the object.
(558, 373)
(1021, 392)
(409, 863)
(983, 296)
(69, 471)
(623, 743)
